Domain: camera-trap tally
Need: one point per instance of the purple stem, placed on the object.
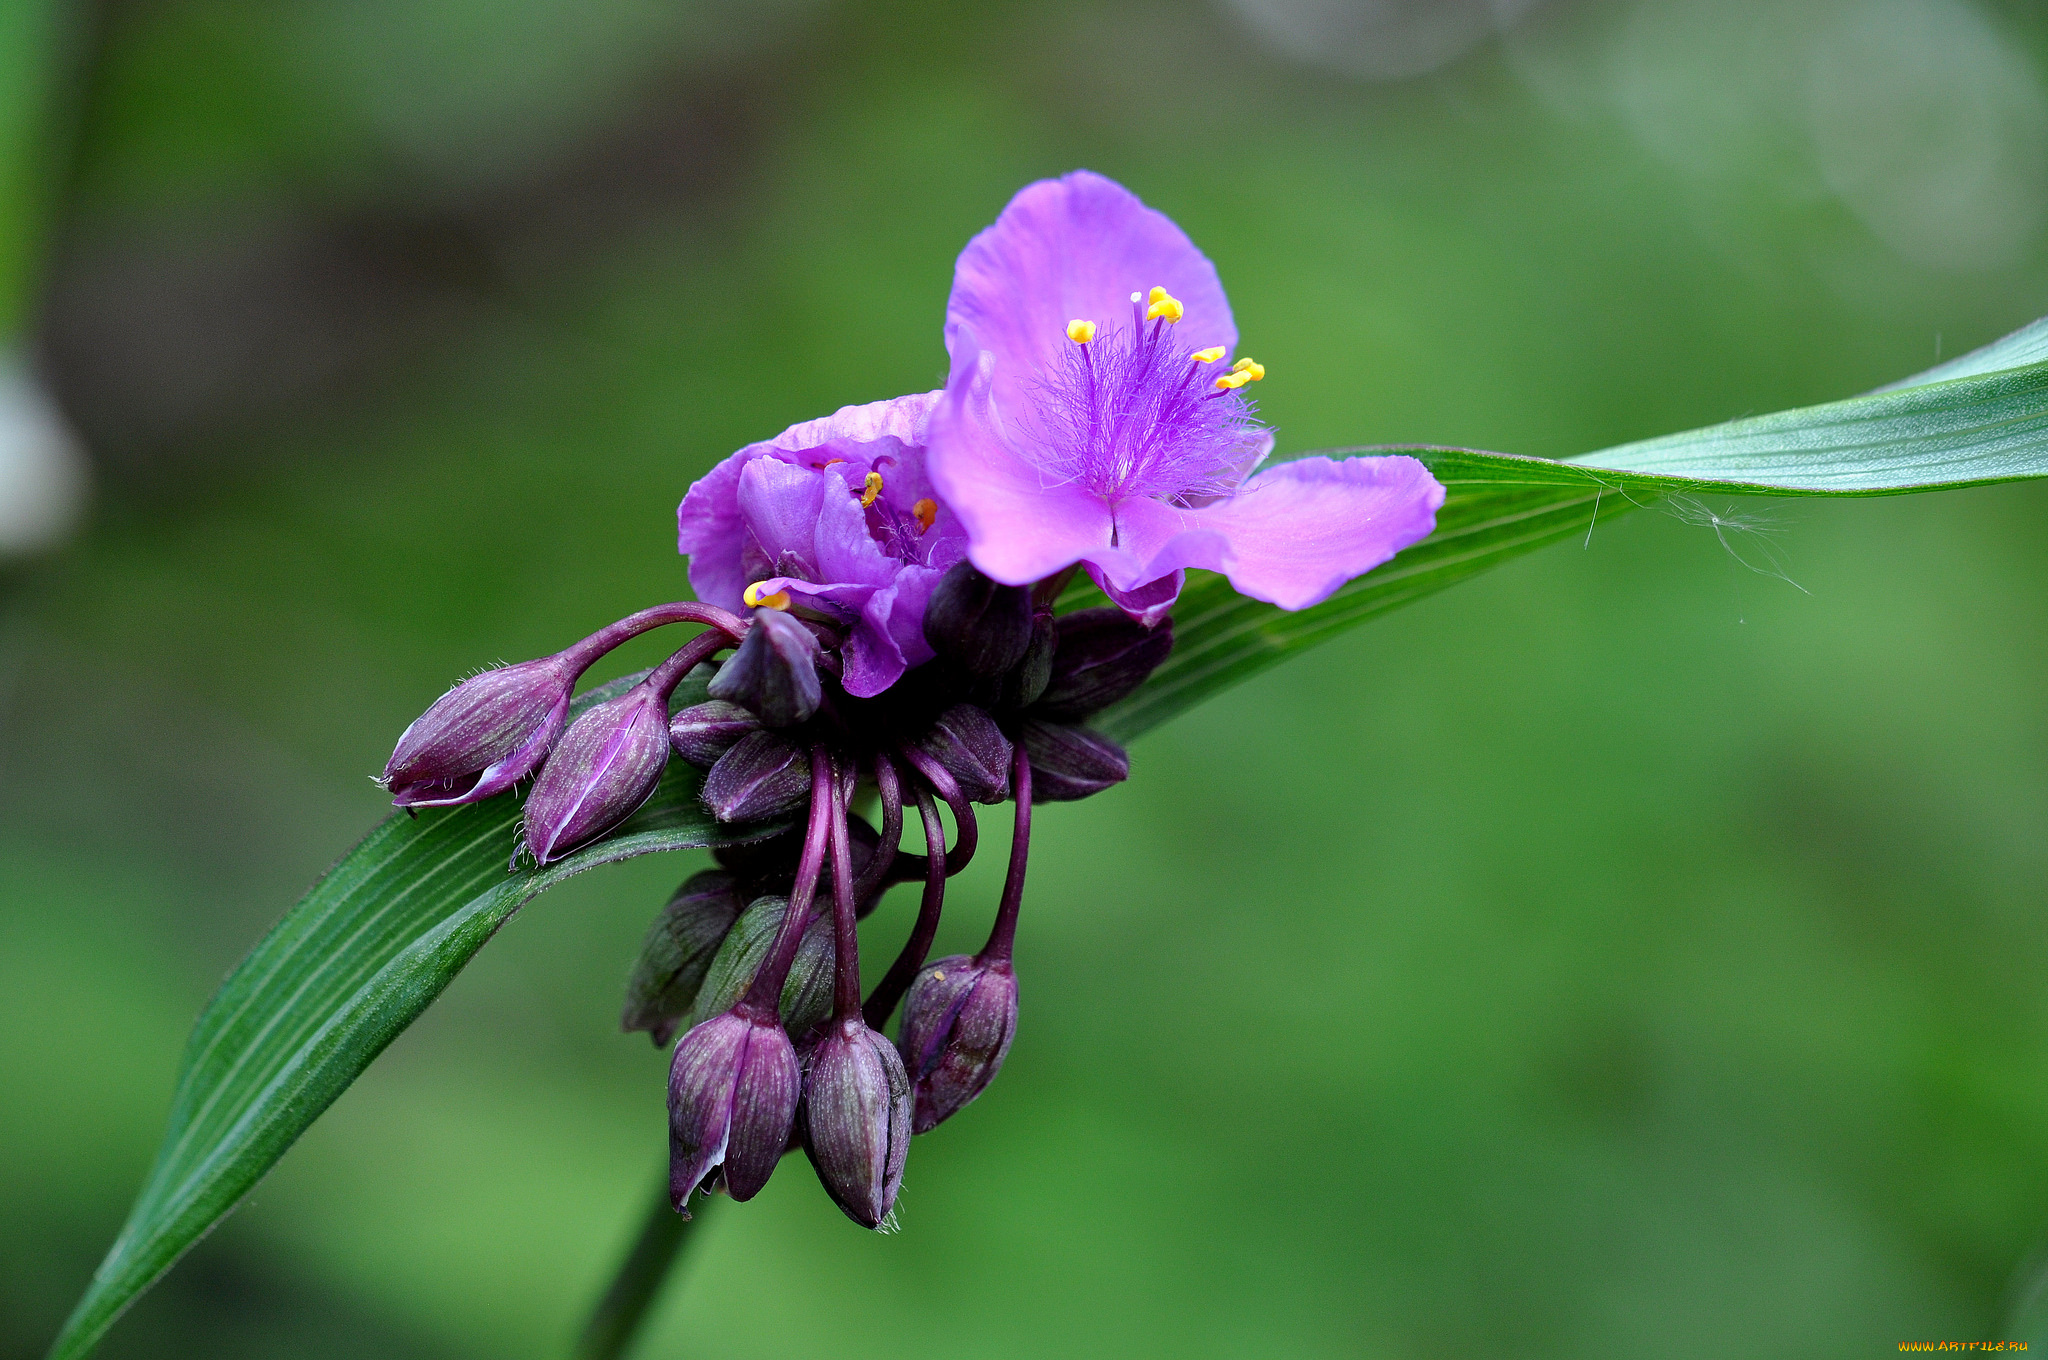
(687, 658)
(845, 938)
(581, 655)
(876, 874)
(1004, 935)
(889, 991)
(764, 998)
(966, 836)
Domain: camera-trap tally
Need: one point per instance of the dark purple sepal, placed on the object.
(703, 732)
(481, 737)
(678, 952)
(732, 1098)
(1103, 655)
(973, 749)
(763, 775)
(857, 1119)
(958, 1019)
(1069, 762)
(605, 766)
(982, 627)
(774, 673)
(1027, 680)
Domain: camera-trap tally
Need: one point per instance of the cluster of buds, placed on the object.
(756, 962)
(498, 728)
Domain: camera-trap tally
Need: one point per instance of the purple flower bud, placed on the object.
(958, 1019)
(763, 775)
(857, 1119)
(1022, 687)
(806, 998)
(1070, 762)
(1103, 655)
(775, 671)
(732, 1098)
(482, 736)
(703, 732)
(983, 627)
(974, 751)
(604, 767)
(678, 953)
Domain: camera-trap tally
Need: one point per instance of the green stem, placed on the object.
(612, 1327)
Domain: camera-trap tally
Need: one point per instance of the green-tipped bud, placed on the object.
(678, 953)
(806, 1000)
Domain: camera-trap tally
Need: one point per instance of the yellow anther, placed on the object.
(1161, 303)
(1080, 332)
(1207, 356)
(756, 599)
(1231, 381)
(870, 489)
(1252, 367)
(926, 511)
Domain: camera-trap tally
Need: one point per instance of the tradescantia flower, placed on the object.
(886, 580)
(1092, 416)
(837, 519)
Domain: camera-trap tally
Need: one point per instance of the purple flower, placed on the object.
(838, 519)
(1093, 416)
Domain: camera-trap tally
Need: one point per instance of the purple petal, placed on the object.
(711, 528)
(1075, 247)
(1298, 531)
(1018, 528)
(780, 505)
(1148, 603)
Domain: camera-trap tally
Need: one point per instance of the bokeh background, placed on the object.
(1629, 953)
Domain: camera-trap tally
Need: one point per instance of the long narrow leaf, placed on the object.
(1975, 420)
(362, 954)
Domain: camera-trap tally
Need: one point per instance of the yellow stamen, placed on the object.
(754, 598)
(1161, 303)
(1232, 381)
(870, 489)
(1207, 356)
(926, 511)
(1080, 332)
(1253, 367)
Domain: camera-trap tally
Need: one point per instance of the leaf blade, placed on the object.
(365, 951)
(1976, 420)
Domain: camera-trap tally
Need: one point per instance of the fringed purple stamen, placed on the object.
(1121, 417)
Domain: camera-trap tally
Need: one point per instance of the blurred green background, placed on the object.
(1627, 954)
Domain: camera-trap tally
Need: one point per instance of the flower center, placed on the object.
(1133, 412)
(901, 534)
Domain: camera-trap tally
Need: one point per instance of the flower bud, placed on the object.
(1024, 684)
(604, 767)
(732, 1099)
(1103, 655)
(806, 998)
(703, 732)
(974, 751)
(982, 627)
(763, 775)
(774, 672)
(482, 736)
(678, 953)
(857, 1119)
(958, 1019)
(768, 867)
(1069, 762)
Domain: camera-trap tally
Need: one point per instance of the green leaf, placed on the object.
(1981, 418)
(347, 969)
